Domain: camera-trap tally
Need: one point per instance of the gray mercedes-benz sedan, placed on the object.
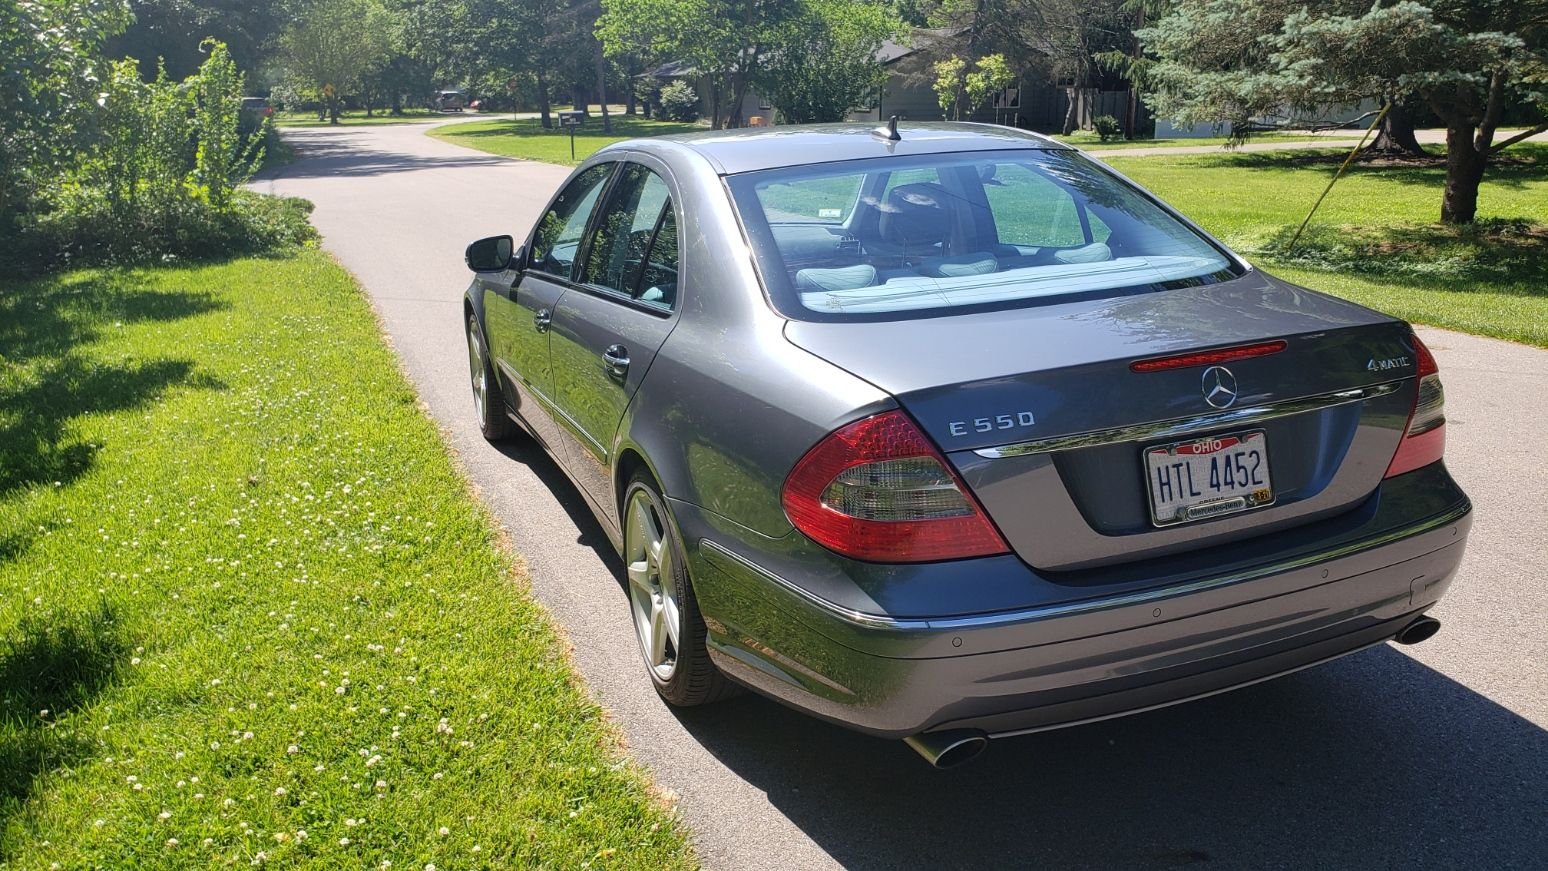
(949, 432)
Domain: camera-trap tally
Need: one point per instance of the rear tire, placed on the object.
(488, 401)
(662, 606)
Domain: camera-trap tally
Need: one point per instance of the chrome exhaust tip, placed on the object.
(1422, 629)
(950, 748)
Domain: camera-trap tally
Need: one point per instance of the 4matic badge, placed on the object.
(1388, 364)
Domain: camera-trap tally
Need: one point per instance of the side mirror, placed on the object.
(494, 254)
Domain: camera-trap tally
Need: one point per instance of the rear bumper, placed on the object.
(1073, 662)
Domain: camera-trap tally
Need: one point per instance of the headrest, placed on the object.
(844, 278)
(916, 215)
(979, 263)
(1096, 252)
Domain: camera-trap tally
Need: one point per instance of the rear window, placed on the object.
(893, 237)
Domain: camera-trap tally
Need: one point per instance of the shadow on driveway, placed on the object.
(1371, 761)
(351, 155)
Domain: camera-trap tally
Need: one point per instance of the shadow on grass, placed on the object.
(1498, 255)
(1513, 168)
(56, 664)
(46, 329)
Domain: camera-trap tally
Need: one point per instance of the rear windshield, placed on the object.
(894, 237)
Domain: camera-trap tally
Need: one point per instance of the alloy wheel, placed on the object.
(653, 595)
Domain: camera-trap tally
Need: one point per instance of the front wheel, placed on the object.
(487, 401)
(662, 604)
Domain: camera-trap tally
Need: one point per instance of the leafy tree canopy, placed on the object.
(1471, 62)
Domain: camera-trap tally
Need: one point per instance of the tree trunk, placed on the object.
(1070, 113)
(544, 108)
(1396, 134)
(1465, 166)
(607, 121)
(397, 102)
(715, 104)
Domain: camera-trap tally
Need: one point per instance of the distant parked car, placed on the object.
(252, 113)
(949, 433)
(449, 101)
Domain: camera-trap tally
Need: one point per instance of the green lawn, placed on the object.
(358, 117)
(528, 140)
(1088, 141)
(249, 610)
(1376, 240)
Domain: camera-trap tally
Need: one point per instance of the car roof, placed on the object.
(755, 148)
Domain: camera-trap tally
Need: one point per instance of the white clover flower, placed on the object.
(343, 842)
(164, 815)
(172, 842)
(292, 749)
(279, 790)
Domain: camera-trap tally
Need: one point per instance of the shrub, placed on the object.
(161, 179)
(85, 230)
(680, 102)
(1107, 127)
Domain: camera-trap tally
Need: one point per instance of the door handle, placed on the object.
(616, 359)
(542, 319)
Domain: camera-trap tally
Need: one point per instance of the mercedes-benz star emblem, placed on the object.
(1219, 387)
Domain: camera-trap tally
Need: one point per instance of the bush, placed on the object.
(1107, 127)
(160, 180)
(85, 230)
(680, 102)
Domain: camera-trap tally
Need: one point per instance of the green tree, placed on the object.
(333, 46)
(728, 42)
(170, 31)
(1474, 63)
(50, 73)
(958, 83)
(825, 60)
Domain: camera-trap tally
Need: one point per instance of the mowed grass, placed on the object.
(1089, 141)
(249, 611)
(357, 118)
(1376, 239)
(526, 138)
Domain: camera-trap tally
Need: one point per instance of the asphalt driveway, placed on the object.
(1433, 756)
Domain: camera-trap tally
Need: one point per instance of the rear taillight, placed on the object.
(1425, 439)
(878, 490)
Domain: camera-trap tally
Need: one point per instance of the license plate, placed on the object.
(1208, 477)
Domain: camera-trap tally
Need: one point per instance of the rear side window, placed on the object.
(986, 229)
(557, 239)
(629, 253)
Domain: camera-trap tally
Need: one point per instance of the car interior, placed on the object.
(974, 228)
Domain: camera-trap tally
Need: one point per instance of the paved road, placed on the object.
(1434, 756)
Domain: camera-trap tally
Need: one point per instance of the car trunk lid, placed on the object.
(1042, 414)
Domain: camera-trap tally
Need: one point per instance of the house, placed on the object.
(753, 105)
(1033, 102)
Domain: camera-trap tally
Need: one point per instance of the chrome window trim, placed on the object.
(866, 620)
(1181, 427)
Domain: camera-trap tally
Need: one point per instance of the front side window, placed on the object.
(897, 235)
(559, 232)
